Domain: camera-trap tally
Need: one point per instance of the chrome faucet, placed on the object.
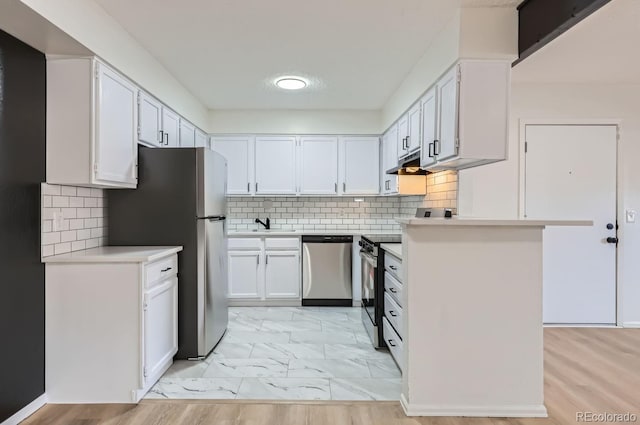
(266, 223)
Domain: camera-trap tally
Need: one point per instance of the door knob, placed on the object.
(610, 226)
(611, 239)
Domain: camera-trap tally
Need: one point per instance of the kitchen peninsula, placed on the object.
(473, 316)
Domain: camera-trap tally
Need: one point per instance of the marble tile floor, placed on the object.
(287, 353)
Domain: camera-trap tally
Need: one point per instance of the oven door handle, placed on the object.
(368, 258)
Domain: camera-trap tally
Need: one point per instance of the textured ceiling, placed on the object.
(228, 52)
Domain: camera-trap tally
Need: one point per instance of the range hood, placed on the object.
(409, 165)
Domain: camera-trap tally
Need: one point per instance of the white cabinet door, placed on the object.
(170, 128)
(187, 135)
(403, 134)
(116, 150)
(276, 165)
(360, 165)
(149, 120)
(413, 138)
(429, 128)
(389, 160)
(318, 165)
(202, 139)
(282, 274)
(246, 273)
(238, 150)
(447, 96)
(160, 326)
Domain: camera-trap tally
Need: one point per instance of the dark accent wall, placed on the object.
(541, 21)
(22, 168)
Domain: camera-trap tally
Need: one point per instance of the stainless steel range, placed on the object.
(372, 284)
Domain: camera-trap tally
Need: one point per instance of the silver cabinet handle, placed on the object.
(258, 259)
(256, 187)
(390, 341)
(344, 186)
(161, 136)
(266, 259)
(408, 142)
(393, 313)
(393, 267)
(393, 290)
(248, 187)
(167, 137)
(165, 270)
(336, 187)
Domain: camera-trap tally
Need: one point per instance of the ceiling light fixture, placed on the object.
(291, 83)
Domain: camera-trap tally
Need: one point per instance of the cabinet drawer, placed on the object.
(393, 287)
(282, 243)
(394, 343)
(393, 265)
(244, 244)
(160, 270)
(393, 313)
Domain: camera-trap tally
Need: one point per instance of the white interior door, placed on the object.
(571, 174)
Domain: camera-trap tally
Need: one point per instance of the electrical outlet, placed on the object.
(58, 220)
(630, 216)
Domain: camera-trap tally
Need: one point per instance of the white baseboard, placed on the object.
(26, 411)
(631, 324)
(507, 411)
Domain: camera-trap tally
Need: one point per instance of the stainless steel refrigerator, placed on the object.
(181, 200)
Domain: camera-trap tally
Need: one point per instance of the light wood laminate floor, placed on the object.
(596, 370)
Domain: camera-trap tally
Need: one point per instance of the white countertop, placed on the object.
(457, 221)
(115, 254)
(296, 233)
(393, 248)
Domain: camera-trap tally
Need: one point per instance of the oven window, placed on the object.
(368, 285)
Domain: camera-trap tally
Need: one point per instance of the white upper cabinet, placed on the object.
(359, 165)
(202, 139)
(170, 128)
(413, 138)
(472, 115)
(91, 125)
(429, 128)
(409, 131)
(149, 120)
(318, 165)
(389, 160)
(187, 134)
(275, 165)
(239, 153)
(447, 88)
(403, 133)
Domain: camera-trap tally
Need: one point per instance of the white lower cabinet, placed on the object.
(160, 326)
(282, 274)
(245, 277)
(264, 271)
(393, 320)
(111, 323)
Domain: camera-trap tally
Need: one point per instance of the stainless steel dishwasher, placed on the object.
(326, 270)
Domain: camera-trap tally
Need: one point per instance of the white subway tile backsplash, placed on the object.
(83, 221)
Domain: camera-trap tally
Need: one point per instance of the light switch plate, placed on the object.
(630, 216)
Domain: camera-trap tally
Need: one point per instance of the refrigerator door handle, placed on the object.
(214, 218)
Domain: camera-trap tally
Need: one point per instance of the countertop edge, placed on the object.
(479, 222)
(157, 253)
(392, 249)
